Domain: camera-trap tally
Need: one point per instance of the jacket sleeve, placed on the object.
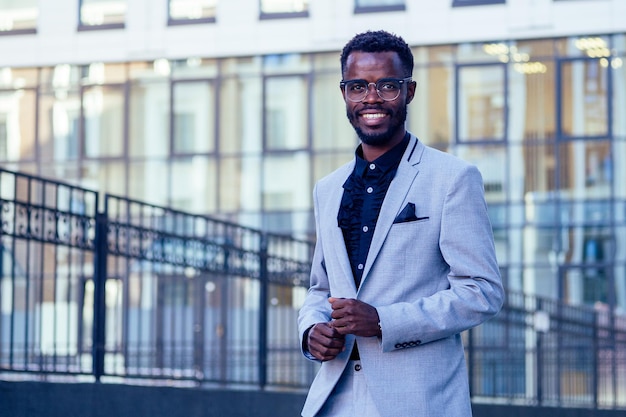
(316, 308)
(474, 290)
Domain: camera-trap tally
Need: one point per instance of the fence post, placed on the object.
(99, 296)
(263, 313)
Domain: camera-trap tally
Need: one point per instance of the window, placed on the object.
(17, 125)
(191, 11)
(193, 117)
(284, 8)
(102, 14)
(459, 3)
(18, 16)
(103, 121)
(286, 113)
(481, 103)
(584, 98)
(369, 6)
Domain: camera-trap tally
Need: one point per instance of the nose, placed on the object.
(372, 93)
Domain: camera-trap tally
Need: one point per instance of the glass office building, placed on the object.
(244, 137)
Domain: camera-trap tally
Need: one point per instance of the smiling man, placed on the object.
(404, 260)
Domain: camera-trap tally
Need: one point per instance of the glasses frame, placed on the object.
(401, 81)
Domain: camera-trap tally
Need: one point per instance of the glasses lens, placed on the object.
(388, 89)
(356, 90)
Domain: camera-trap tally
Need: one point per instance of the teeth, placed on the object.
(373, 115)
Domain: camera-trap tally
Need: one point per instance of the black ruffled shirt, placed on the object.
(363, 195)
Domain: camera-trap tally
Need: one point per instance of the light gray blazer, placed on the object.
(429, 279)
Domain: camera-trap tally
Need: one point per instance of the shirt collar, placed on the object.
(386, 162)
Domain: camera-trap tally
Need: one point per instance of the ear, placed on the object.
(410, 91)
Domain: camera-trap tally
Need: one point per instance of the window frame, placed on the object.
(469, 3)
(281, 15)
(177, 21)
(559, 79)
(378, 8)
(21, 31)
(457, 105)
(82, 27)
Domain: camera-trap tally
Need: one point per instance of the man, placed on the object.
(404, 260)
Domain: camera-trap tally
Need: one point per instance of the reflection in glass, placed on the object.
(59, 120)
(102, 12)
(103, 110)
(332, 128)
(481, 114)
(192, 9)
(18, 15)
(105, 176)
(286, 188)
(491, 161)
(286, 182)
(586, 169)
(286, 113)
(584, 101)
(149, 181)
(240, 113)
(284, 6)
(17, 125)
(433, 92)
(194, 115)
(532, 100)
(374, 3)
(149, 119)
(240, 182)
(194, 185)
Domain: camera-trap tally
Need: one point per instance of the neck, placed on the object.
(373, 152)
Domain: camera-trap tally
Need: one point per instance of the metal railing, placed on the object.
(137, 291)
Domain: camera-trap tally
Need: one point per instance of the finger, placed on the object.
(336, 302)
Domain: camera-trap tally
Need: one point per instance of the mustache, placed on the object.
(374, 107)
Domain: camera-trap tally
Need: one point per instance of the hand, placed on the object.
(324, 342)
(355, 317)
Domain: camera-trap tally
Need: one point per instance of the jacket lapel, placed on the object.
(337, 242)
(394, 199)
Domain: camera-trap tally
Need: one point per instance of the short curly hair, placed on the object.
(379, 41)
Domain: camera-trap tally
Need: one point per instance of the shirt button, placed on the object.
(370, 190)
(372, 166)
(357, 367)
(365, 229)
(360, 266)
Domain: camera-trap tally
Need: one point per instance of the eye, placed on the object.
(388, 86)
(356, 87)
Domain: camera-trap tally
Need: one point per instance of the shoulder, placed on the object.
(439, 167)
(426, 156)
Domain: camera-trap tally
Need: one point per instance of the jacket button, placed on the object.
(357, 367)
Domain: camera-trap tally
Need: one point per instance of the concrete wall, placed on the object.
(239, 31)
(38, 399)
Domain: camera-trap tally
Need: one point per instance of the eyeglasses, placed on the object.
(387, 88)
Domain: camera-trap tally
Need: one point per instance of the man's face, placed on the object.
(377, 122)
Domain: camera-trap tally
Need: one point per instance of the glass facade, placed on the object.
(245, 139)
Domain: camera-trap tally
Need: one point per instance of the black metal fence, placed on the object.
(124, 290)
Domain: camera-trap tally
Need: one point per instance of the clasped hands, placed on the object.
(349, 316)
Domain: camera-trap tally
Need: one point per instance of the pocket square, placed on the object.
(408, 214)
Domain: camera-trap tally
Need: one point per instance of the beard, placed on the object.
(384, 137)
